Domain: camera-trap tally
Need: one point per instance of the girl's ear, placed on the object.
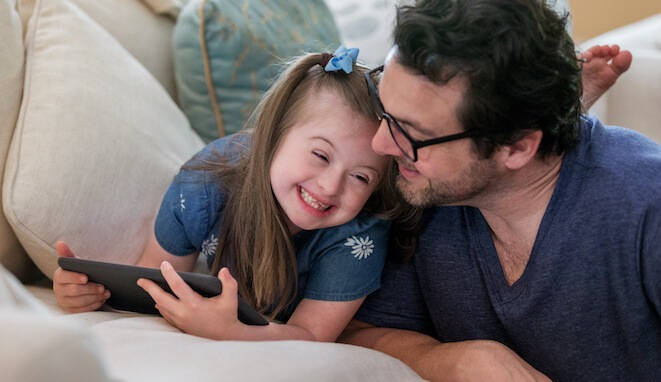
(521, 152)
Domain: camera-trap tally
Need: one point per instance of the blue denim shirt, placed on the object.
(339, 263)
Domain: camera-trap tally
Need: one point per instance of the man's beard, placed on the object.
(471, 182)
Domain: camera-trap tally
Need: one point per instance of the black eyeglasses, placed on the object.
(403, 140)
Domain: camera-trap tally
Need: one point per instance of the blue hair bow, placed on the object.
(343, 59)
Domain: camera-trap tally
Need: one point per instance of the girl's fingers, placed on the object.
(75, 290)
(83, 303)
(157, 294)
(177, 284)
(230, 287)
(67, 277)
(63, 249)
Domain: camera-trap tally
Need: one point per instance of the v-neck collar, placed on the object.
(485, 250)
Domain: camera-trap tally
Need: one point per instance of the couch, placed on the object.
(91, 134)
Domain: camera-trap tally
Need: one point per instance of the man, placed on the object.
(545, 235)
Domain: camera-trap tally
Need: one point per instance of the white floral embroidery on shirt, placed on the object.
(181, 202)
(361, 247)
(209, 246)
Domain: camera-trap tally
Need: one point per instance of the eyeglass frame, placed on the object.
(415, 144)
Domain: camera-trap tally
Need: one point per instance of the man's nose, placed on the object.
(383, 142)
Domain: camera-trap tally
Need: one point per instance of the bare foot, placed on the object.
(602, 65)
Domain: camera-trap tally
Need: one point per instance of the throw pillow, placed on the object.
(145, 34)
(227, 53)
(97, 142)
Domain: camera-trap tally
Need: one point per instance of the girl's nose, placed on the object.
(330, 181)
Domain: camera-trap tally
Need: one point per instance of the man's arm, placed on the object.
(478, 360)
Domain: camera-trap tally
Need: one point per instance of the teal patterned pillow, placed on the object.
(221, 77)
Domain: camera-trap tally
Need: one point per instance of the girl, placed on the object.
(297, 208)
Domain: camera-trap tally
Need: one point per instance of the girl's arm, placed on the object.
(216, 317)
(153, 255)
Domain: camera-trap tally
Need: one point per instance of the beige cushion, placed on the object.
(12, 255)
(96, 143)
(170, 8)
(145, 34)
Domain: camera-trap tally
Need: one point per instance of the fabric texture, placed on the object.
(90, 158)
(12, 255)
(156, 347)
(170, 8)
(588, 305)
(36, 346)
(339, 263)
(145, 35)
(221, 77)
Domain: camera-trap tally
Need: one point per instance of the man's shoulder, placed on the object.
(614, 145)
(619, 154)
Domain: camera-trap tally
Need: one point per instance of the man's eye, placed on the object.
(320, 156)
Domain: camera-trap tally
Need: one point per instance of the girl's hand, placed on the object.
(72, 291)
(214, 317)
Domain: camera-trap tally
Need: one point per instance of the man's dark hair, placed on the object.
(519, 61)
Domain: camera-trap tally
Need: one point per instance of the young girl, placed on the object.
(298, 209)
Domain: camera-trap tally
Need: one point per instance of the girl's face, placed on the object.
(324, 170)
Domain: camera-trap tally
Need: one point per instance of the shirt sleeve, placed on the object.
(350, 267)
(183, 219)
(193, 202)
(399, 302)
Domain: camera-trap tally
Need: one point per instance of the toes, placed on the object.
(622, 62)
(614, 50)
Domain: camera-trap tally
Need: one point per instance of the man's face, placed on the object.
(449, 173)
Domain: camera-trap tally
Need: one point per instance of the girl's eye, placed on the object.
(362, 178)
(320, 156)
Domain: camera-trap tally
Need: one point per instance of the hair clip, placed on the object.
(343, 59)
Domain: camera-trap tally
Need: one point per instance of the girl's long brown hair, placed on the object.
(253, 237)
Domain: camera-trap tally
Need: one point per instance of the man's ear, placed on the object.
(521, 152)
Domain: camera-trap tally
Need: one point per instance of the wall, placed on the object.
(594, 17)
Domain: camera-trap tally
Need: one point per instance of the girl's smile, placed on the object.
(314, 204)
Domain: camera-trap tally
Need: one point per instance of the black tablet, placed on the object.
(125, 294)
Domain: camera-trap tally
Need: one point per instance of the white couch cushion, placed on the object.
(137, 347)
(42, 348)
(12, 254)
(634, 100)
(96, 143)
(36, 346)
